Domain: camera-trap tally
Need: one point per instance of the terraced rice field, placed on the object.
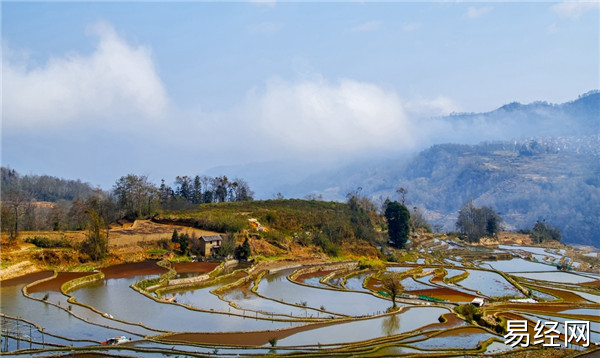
(301, 310)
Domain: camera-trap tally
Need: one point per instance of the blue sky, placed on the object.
(98, 90)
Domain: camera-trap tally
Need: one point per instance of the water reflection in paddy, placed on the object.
(489, 283)
(355, 282)
(170, 347)
(116, 297)
(412, 319)
(32, 338)
(583, 311)
(409, 284)
(277, 286)
(538, 251)
(467, 338)
(543, 295)
(588, 296)
(556, 276)
(314, 281)
(53, 319)
(91, 316)
(398, 269)
(246, 299)
(454, 272)
(454, 262)
(518, 265)
(204, 299)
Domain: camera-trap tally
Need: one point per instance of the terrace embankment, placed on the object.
(195, 267)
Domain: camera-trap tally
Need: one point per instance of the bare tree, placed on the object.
(96, 244)
(392, 286)
(14, 203)
(136, 195)
(402, 191)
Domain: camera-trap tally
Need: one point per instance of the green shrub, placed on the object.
(365, 263)
(47, 243)
(156, 251)
(328, 247)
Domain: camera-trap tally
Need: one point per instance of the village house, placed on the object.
(209, 244)
(478, 301)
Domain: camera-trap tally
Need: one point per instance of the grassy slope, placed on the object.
(288, 221)
(293, 226)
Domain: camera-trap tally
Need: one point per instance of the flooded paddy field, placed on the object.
(246, 311)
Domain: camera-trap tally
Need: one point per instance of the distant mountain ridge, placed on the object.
(540, 119)
(555, 179)
(545, 166)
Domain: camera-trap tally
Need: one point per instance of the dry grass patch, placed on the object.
(148, 232)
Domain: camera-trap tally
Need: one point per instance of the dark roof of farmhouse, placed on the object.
(211, 238)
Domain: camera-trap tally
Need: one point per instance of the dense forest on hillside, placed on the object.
(42, 202)
(43, 187)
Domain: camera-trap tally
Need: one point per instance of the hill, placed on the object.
(329, 225)
(555, 179)
(579, 117)
(44, 187)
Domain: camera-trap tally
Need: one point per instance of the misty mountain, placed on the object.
(540, 119)
(542, 164)
(555, 179)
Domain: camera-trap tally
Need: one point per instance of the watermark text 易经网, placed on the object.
(548, 333)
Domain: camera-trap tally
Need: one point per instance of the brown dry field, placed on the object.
(508, 238)
(127, 243)
(147, 232)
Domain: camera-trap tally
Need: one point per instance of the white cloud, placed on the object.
(367, 26)
(116, 80)
(473, 12)
(317, 116)
(574, 9)
(424, 108)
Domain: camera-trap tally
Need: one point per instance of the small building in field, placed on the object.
(209, 244)
(478, 301)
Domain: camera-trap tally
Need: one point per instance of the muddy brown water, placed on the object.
(57, 282)
(445, 293)
(144, 268)
(32, 277)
